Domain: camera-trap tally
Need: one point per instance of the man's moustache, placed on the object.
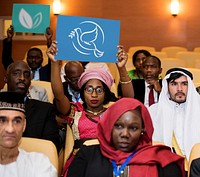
(21, 83)
(180, 93)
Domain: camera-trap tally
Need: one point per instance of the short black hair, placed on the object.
(180, 69)
(35, 49)
(145, 52)
(174, 76)
(106, 90)
(156, 58)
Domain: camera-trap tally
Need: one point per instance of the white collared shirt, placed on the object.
(75, 95)
(146, 96)
(29, 164)
(36, 74)
(179, 125)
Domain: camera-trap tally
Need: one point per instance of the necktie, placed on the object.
(151, 97)
(33, 74)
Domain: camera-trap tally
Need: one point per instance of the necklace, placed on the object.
(95, 113)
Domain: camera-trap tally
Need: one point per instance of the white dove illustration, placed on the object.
(86, 41)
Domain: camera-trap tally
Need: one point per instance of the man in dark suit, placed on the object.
(34, 56)
(151, 68)
(40, 116)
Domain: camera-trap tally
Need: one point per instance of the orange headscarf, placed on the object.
(144, 162)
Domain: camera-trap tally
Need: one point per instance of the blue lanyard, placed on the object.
(78, 99)
(121, 169)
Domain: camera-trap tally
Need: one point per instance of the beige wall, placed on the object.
(142, 22)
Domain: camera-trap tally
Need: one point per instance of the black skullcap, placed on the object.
(12, 101)
(180, 69)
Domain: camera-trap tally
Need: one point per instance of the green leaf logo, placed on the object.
(27, 21)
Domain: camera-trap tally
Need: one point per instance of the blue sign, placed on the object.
(87, 39)
(31, 18)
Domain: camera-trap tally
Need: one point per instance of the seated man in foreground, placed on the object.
(14, 161)
(176, 115)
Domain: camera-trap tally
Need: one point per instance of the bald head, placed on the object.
(73, 71)
(18, 77)
(71, 66)
(18, 63)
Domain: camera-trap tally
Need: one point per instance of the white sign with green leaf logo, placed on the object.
(32, 18)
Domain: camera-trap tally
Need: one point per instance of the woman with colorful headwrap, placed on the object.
(95, 92)
(125, 149)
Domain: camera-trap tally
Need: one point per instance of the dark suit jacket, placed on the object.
(89, 162)
(41, 122)
(66, 92)
(44, 72)
(139, 89)
(195, 168)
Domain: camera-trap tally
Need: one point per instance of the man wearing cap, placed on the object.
(13, 160)
(176, 115)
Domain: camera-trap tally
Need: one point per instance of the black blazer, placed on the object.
(44, 71)
(195, 168)
(139, 89)
(41, 122)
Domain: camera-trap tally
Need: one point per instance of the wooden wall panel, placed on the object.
(142, 22)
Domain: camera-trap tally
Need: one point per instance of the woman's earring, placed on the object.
(142, 133)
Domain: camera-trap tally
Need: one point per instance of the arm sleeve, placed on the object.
(51, 131)
(79, 164)
(7, 53)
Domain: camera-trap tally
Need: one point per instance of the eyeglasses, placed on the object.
(98, 90)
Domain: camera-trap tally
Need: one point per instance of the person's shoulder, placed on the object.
(138, 83)
(91, 149)
(44, 68)
(196, 161)
(40, 103)
(38, 93)
(195, 168)
(153, 107)
(34, 157)
(37, 161)
(37, 88)
(171, 169)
